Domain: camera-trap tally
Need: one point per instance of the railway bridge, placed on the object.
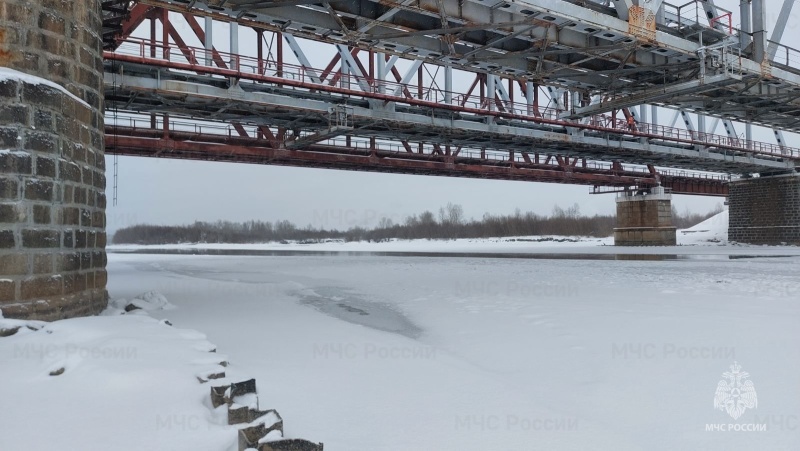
(641, 98)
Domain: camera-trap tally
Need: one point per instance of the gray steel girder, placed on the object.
(251, 103)
(551, 42)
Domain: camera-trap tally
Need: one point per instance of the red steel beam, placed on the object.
(381, 161)
(135, 17)
(180, 43)
(201, 35)
(408, 99)
(189, 145)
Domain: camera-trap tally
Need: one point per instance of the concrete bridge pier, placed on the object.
(644, 219)
(765, 210)
(52, 169)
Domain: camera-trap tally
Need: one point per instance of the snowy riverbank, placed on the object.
(708, 237)
(124, 382)
(379, 353)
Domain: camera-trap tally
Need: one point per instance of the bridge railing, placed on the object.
(692, 15)
(308, 79)
(785, 55)
(157, 123)
(201, 130)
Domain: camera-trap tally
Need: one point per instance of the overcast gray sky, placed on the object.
(161, 191)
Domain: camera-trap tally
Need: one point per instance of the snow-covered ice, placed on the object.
(472, 353)
(378, 352)
(125, 382)
(151, 300)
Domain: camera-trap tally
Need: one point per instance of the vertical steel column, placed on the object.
(420, 83)
(279, 51)
(759, 30)
(644, 126)
(448, 84)
(748, 134)
(345, 70)
(165, 32)
(660, 14)
(260, 51)
(482, 84)
(654, 115)
(371, 75)
(234, 30)
(744, 32)
(165, 125)
(381, 76)
(529, 96)
(575, 99)
(701, 126)
(209, 41)
(490, 90)
(153, 37)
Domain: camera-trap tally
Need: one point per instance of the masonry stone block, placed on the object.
(49, 187)
(14, 264)
(645, 220)
(8, 188)
(7, 239)
(765, 210)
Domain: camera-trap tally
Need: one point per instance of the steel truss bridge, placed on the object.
(535, 90)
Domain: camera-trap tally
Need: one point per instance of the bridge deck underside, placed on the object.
(584, 52)
(307, 107)
(581, 46)
(428, 150)
(172, 144)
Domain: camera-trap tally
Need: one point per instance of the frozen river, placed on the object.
(378, 352)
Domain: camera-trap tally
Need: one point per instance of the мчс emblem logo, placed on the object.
(737, 393)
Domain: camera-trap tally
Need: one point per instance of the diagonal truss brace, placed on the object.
(780, 26)
(780, 138)
(654, 95)
(301, 57)
(412, 71)
(353, 68)
(729, 129)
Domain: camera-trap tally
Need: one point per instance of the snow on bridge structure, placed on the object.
(564, 91)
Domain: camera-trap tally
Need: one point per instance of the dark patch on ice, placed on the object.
(352, 309)
(342, 304)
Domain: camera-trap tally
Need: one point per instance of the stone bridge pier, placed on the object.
(765, 210)
(52, 169)
(645, 219)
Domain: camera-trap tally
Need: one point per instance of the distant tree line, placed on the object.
(450, 223)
